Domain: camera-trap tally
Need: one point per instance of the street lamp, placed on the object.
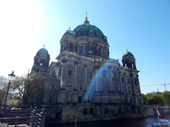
(10, 78)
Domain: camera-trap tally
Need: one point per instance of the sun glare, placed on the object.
(20, 26)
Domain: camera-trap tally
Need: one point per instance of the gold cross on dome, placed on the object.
(126, 49)
(86, 13)
(69, 28)
(43, 46)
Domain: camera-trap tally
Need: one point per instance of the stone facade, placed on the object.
(85, 83)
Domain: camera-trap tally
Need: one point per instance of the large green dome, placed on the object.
(89, 30)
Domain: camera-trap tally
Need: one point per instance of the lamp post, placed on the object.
(10, 78)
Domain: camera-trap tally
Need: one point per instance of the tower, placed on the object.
(41, 61)
(128, 60)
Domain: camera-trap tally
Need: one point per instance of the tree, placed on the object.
(25, 89)
(145, 99)
(17, 88)
(166, 97)
(3, 82)
(156, 100)
(14, 102)
(33, 88)
(149, 95)
(2, 95)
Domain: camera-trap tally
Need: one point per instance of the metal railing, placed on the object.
(34, 120)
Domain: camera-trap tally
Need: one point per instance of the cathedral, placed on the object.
(85, 83)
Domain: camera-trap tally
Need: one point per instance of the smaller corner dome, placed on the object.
(43, 50)
(71, 32)
(127, 53)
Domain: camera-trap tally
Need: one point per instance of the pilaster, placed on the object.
(75, 78)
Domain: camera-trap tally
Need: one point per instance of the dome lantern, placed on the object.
(86, 20)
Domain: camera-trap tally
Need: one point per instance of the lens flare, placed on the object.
(99, 74)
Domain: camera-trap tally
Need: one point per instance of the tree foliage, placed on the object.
(26, 88)
(3, 84)
(157, 98)
(33, 88)
(2, 95)
(17, 88)
(145, 99)
(14, 102)
(166, 97)
(3, 81)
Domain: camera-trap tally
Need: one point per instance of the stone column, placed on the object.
(109, 77)
(104, 51)
(125, 82)
(85, 76)
(63, 83)
(96, 80)
(133, 89)
(75, 76)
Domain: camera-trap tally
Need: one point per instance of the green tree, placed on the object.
(3, 83)
(145, 99)
(166, 97)
(33, 88)
(14, 102)
(2, 95)
(17, 88)
(156, 100)
(149, 95)
(25, 89)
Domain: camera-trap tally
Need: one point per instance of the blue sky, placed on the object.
(141, 26)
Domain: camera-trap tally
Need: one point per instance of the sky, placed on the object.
(141, 26)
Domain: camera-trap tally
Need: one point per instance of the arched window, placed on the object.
(80, 87)
(42, 62)
(50, 99)
(53, 74)
(115, 88)
(104, 73)
(105, 88)
(123, 90)
(122, 80)
(86, 50)
(69, 72)
(70, 47)
(80, 50)
(80, 74)
(132, 65)
(99, 52)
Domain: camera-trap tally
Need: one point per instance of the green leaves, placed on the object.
(33, 88)
(27, 88)
(166, 97)
(157, 98)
